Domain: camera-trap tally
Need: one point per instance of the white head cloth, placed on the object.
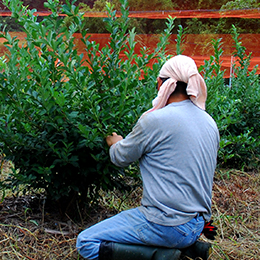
(181, 68)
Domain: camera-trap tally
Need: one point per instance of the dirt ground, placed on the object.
(28, 230)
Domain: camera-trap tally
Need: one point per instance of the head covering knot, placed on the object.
(181, 68)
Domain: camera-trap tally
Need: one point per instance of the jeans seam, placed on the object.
(182, 232)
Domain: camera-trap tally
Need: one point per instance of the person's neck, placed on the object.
(177, 98)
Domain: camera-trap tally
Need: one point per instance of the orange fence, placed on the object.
(242, 13)
(197, 46)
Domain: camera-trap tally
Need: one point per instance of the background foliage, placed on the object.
(151, 26)
(192, 26)
(57, 106)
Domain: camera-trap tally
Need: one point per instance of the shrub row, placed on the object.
(57, 106)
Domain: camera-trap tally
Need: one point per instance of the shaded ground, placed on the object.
(28, 230)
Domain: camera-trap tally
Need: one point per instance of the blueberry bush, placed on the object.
(58, 105)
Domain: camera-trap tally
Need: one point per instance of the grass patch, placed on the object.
(236, 211)
(31, 230)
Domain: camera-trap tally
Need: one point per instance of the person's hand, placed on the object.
(114, 138)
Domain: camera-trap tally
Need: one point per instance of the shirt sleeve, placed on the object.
(130, 149)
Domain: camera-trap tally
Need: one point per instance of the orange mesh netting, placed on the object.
(197, 46)
(242, 13)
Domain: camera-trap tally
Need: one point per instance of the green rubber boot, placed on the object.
(117, 251)
(199, 250)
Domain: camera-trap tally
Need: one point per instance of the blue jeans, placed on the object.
(131, 227)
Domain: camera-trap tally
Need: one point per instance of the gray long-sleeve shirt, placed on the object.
(177, 149)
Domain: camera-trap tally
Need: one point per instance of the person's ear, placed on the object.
(159, 83)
